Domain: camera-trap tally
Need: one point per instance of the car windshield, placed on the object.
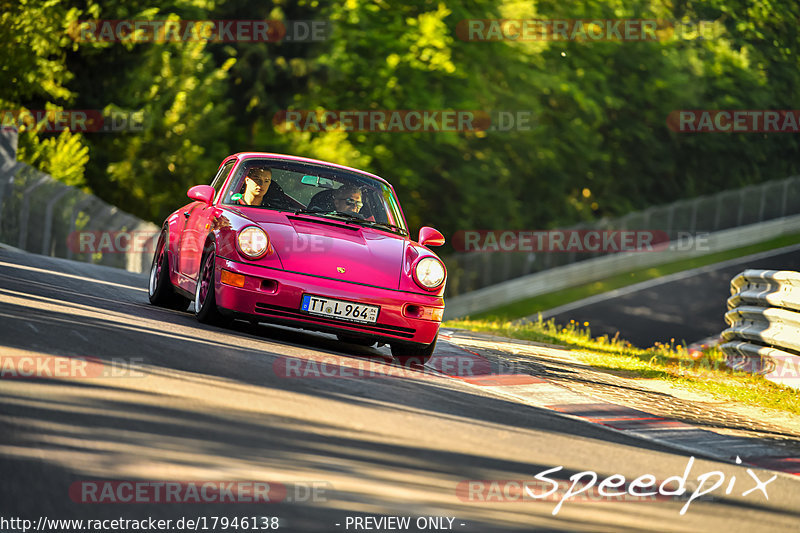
(318, 190)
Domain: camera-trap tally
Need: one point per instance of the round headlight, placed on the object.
(429, 272)
(253, 242)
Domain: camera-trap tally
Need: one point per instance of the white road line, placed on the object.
(692, 439)
(70, 276)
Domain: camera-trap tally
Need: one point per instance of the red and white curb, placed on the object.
(542, 393)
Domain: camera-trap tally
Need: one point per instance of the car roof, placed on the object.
(268, 155)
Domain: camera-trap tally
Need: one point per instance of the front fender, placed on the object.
(224, 230)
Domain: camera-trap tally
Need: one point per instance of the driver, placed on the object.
(347, 199)
(260, 189)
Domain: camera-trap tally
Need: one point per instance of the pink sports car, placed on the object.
(300, 242)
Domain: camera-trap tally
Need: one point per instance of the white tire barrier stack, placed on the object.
(764, 319)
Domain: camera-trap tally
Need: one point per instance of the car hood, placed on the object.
(335, 249)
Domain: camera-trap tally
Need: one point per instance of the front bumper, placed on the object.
(275, 296)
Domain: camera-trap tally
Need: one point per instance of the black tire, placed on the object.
(205, 301)
(159, 288)
(354, 339)
(408, 354)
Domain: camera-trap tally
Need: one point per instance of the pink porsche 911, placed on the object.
(306, 243)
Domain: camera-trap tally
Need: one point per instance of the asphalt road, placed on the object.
(174, 401)
(686, 307)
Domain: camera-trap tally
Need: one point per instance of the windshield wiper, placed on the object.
(350, 217)
(313, 211)
(386, 225)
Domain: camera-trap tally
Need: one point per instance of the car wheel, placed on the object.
(408, 354)
(353, 339)
(159, 288)
(205, 302)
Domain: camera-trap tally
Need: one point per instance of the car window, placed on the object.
(295, 186)
(219, 179)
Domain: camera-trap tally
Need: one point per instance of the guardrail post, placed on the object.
(487, 269)
(12, 172)
(9, 141)
(741, 207)
(785, 196)
(23, 216)
(693, 223)
(670, 218)
(718, 213)
(75, 212)
(48, 219)
(763, 203)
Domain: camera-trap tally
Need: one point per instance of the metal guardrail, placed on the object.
(602, 267)
(771, 200)
(42, 215)
(764, 319)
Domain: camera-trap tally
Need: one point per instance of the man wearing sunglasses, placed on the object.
(347, 199)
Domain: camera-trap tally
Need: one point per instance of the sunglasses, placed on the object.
(354, 203)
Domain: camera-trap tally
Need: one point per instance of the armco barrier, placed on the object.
(42, 215)
(764, 318)
(724, 210)
(609, 265)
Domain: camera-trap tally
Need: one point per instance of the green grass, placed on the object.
(707, 374)
(537, 304)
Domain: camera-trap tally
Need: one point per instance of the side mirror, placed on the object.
(202, 193)
(430, 237)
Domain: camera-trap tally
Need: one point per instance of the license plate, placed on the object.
(341, 309)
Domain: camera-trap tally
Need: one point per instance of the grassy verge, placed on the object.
(537, 304)
(706, 373)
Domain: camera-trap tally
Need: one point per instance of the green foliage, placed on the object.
(706, 373)
(64, 156)
(33, 40)
(599, 145)
(33, 44)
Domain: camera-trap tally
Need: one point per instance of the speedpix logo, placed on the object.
(581, 487)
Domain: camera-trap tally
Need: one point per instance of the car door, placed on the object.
(193, 237)
(197, 225)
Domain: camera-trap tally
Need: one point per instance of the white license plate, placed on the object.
(342, 309)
